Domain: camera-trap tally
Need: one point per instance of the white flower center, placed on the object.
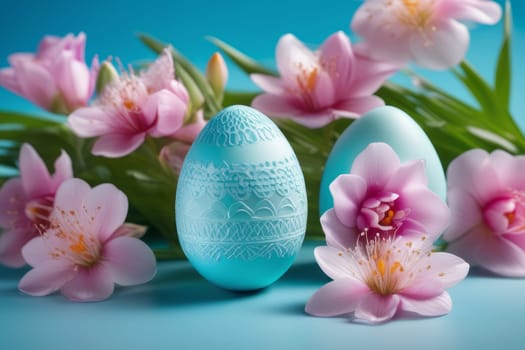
(387, 265)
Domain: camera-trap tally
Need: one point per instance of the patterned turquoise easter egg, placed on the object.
(241, 201)
(389, 125)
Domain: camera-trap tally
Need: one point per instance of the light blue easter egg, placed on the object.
(241, 201)
(389, 125)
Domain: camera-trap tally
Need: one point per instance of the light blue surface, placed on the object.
(241, 201)
(389, 125)
(179, 309)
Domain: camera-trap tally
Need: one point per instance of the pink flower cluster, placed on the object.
(73, 236)
(379, 236)
(339, 80)
(56, 78)
(428, 32)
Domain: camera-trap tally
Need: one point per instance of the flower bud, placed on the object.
(106, 74)
(217, 74)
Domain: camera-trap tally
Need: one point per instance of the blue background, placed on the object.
(178, 309)
(111, 28)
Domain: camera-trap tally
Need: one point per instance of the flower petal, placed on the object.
(69, 196)
(486, 12)
(89, 284)
(376, 164)
(293, 58)
(275, 105)
(268, 83)
(475, 164)
(336, 54)
(11, 243)
(357, 106)
(108, 206)
(425, 287)
(369, 74)
(36, 252)
(166, 110)
(117, 145)
(92, 121)
(9, 80)
(34, 174)
(337, 298)
(334, 262)
(130, 261)
(12, 204)
(46, 278)
(63, 170)
(480, 247)
(450, 269)
(376, 308)
(410, 174)
(188, 133)
(437, 306)
(466, 214)
(73, 79)
(348, 191)
(510, 168)
(36, 84)
(442, 47)
(426, 208)
(337, 234)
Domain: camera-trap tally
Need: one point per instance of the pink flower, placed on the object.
(425, 31)
(26, 202)
(85, 250)
(56, 78)
(382, 196)
(174, 153)
(317, 87)
(132, 107)
(486, 193)
(384, 276)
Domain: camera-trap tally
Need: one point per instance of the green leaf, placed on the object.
(238, 98)
(247, 64)
(196, 98)
(479, 88)
(503, 69)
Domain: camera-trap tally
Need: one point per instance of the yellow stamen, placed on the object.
(80, 246)
(389, 217)
(396, 265)
(380, 264)
(128, 104)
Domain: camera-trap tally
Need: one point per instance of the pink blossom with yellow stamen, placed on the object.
(317, 87)
(382, 277)
(87, 247)
(428, 32)
(132, 107)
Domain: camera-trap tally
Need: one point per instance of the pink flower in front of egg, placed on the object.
(26, 202)
(132, 107)
(486, 194)
(86, 248)
(383, 197)
(428, 32)
(317, 87)
(380, 277)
